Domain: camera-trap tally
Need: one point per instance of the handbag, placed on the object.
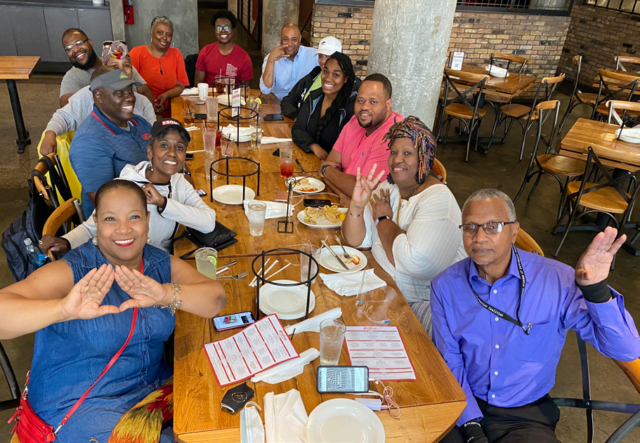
(221, 237)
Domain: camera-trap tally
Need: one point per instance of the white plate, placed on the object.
(341, 420)
(288, 302)
(309, 183)
(232, 194)
(323, 222)
(328, 261)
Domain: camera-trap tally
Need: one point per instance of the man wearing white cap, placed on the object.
(290, 104)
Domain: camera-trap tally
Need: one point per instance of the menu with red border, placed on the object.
(260, 346)
(382, 350)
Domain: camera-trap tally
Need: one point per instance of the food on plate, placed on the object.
(355, 260)
(329, 213)
(305, 185)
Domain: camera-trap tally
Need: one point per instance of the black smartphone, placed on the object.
(189, 156)
(342, 379)
(233, 321)
(273, 117)
(316, 202)
(201, 192)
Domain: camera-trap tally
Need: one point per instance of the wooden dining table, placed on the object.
(509, 87)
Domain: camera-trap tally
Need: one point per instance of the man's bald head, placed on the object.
(290, 39)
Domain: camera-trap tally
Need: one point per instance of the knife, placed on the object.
(300, 166)
(324, 243)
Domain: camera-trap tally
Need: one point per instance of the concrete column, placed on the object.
(275, 14)
(409, 44)
(117, 20)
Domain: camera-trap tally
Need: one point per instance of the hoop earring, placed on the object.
(94, 240)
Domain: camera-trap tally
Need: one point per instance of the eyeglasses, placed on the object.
(491, 228)
(223, 28)
(76, 44)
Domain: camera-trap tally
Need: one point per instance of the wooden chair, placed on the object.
(439, 171)
(606, 195)
(550, 162)
(498, 59)
(620, 59)
(613, 86)
(524, 115)
(525, 242)
(10, 376)
(461, 108)
(56, 185)
(578, 98)
(68, 212)
(630, 112)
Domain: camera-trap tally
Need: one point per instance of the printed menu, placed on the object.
(257, 347)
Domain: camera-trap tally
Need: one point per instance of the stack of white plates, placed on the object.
(288, 302)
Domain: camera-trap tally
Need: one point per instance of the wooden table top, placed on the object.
(430, 406)
(601, 137)
(17, 68)
(512, 85)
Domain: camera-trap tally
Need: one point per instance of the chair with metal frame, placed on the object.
(57, 186)
(70, 211)
(578, 98)
(620, 59)
(10, 376)
(525, 242)
(439, 170)
(460, 108)
(524, 115)
(630, 112)
(550, 162)
(606, 195)
(613, 86)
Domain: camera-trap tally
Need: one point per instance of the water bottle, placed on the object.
(37, 258)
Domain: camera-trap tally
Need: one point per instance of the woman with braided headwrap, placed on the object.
(411, 222)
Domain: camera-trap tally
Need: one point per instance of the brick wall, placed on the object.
(598, 35)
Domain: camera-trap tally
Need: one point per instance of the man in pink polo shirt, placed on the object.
(361, 144)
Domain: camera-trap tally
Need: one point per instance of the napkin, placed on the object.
(285, 418)
(223, 100)
(270, 140)
(191, 91)
(351, 283)
(288, 369)
(231, 131)
(497, 71)
(251, 429)
(274, 209)
(313, 324)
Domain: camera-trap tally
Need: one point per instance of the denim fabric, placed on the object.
(69, 356)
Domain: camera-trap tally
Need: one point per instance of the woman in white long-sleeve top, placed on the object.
(171, 199)
(411, 222)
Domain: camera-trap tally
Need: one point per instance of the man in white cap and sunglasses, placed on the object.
(290, 104)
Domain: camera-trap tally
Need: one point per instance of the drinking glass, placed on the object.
(286, 160)
(210, 157)
(203, 91)
(257, 213)
(209, 136)
(207, 262)
(305, 260)
(188, 115)
(331, 338)
(256, 137)
(212, 109)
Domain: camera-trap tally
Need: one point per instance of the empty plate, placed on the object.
(232, 194)
(287, 302)
(341, 420)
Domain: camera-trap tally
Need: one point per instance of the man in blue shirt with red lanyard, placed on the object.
(500, 319)
(111, 137)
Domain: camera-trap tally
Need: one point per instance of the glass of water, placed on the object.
(305, 260)
(331, 338)
(256, 137)
(212, 109)
(207, 262)
(257, 213)
(210, 157)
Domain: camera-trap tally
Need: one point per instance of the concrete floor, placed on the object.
(500, 169)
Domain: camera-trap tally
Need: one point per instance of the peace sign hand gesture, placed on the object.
(84, 301)
(144, 291)
(364, 188)
(593, 267)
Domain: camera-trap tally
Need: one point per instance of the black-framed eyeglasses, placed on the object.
(75, 44)
(223, 28)
(491, 228)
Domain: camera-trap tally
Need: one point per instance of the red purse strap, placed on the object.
(105, 370)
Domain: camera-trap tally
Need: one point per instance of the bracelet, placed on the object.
(177, 303)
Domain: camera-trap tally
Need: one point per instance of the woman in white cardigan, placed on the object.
(171, 199)
(411, 221)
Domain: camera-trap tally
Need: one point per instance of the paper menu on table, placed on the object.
(235, 102)
(456, 61)
(257, 347)
(382, 350)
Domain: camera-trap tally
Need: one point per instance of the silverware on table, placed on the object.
(300, 166)
(346, 255)
(226, 266)
(235, 277)
(324, 243)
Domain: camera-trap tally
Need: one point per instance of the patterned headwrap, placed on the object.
(117, 49)
(423, 140)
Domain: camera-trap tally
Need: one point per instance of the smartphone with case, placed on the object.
(316, 202)
(232, 321)
(342, 379)
(273, 117)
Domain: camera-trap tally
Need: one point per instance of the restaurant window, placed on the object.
(537, 6)
(522, 4)
(631, 6)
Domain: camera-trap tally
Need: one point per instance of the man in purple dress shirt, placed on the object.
(500, 318)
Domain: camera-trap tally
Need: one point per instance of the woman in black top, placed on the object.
(326, 110)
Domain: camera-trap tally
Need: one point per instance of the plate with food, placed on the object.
(308, 185)
(357, 262)
(325, 217)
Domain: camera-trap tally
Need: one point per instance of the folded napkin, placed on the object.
(274, 209)
(313, 324)
(497, 71)
(270, 140)
(223, 100)
(288, 369)
(191, 91)
(285, 418)
(351, 283)
(230, 132)
(631, 135)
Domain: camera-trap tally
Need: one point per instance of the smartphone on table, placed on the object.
(342, 379)
(316, 202)
(232, 321)
(273, 117)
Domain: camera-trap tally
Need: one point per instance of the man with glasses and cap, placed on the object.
(111, 138)
(70, 116)
(79, 49)
(500, 319)
(290, 105)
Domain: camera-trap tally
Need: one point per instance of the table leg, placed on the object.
(23, 135)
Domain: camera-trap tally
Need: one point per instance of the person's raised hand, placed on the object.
(84, 301)
(364, 188)
(49, 144)
(144, 291)
(593, 267)
(277, 53)
(153, 196)
(56, 244)
(381, 205)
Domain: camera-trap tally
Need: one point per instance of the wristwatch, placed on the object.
(384, 217)
(324, 168)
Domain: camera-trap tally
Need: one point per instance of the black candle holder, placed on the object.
(228, 175)
(261, 280)
(252, 115)
(286, 226)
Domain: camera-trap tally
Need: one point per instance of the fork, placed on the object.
(347, 256)
(235, 277)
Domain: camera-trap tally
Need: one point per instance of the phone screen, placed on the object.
(317, 203)
(232, 321)
(343, 379)
(273, 117)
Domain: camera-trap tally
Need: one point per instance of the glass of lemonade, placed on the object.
(331, 338)
(207, 262)
(257, 213)
(256, 137)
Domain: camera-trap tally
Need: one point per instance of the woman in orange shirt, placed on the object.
(161, 65)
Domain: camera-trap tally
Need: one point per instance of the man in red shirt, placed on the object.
(223, 57)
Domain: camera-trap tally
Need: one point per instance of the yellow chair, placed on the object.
(64, 143)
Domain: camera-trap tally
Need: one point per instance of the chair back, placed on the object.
(545, 110)
(58, 183)
(620, 59)
(471, 85)
(544, 93)
(525, 242)
(509, 59)
(577, 62)
(439, 171)
(630, 111)
(10, 376)
(614, 86)
(70, 211)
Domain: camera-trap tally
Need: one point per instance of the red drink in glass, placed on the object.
(286, 169)
(218, 139)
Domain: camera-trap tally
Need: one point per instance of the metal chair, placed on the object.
(10, 376)
(630, 112)
(57, 186)
(578, 98)
(550, 162)
(620, 59)
(439, 170)
(525, 242)
(613, 86)
(70, 211)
